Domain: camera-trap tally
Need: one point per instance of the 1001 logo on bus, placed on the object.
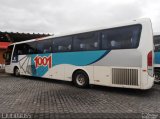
(43, 61)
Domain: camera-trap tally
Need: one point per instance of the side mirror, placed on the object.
(4, 55)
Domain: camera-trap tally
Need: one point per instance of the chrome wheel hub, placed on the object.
(80, 79)
(17, 72)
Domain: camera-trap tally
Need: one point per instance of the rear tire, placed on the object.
(16, 72)
(81, 79)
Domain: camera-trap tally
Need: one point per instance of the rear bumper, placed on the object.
(150, 82)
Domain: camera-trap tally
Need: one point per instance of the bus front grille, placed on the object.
(125, 76)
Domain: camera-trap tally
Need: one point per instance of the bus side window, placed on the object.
(44, 46)
(96, 44)
(121, 38)
(47, 50)
(31, 47)
(86, 41)
(20, 52)
(30, 51)
(106, 44)
(61, 48)
(82, 46)
(40, 48)
(54, 47)
(69, 47)
(62, 44)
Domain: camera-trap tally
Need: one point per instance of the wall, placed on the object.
(1, 56)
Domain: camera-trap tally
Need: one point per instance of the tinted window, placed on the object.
(86, 41)
(19, 49)
(121, 38)
(44, 46)
(62, 44)
(31, 48)
(157, 43)
(25, 48)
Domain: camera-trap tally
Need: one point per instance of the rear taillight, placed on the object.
(149, 59)
(150, 63)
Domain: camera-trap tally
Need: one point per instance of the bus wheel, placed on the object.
(16, 72)
(80, 79)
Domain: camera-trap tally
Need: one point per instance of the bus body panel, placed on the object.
(103, 67)
(146, 46)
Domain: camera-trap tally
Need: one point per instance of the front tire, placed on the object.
(80, 79)
(16, 72)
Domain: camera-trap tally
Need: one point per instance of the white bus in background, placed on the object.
(157, 56)
(116, 56)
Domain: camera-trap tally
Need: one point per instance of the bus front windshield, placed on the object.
(8, 55)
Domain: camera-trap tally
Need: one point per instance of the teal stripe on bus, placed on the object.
(82, 58)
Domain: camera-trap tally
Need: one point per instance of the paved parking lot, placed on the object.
(45, 98)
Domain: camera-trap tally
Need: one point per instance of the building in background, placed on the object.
(6, 38)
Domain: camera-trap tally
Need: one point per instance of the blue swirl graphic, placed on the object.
(82, 58)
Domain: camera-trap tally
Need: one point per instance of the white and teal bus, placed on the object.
(116, 56)
(157, 56)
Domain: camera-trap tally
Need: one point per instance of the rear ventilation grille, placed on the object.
(125, 76)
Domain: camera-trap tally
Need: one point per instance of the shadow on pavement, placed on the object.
(125, 91)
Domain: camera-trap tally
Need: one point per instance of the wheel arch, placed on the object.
(82, 70)
(15, 68)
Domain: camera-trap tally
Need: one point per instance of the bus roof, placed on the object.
(88, 30)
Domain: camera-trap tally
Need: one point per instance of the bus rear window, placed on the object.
(121, 38)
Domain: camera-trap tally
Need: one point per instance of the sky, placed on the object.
(59, 16)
